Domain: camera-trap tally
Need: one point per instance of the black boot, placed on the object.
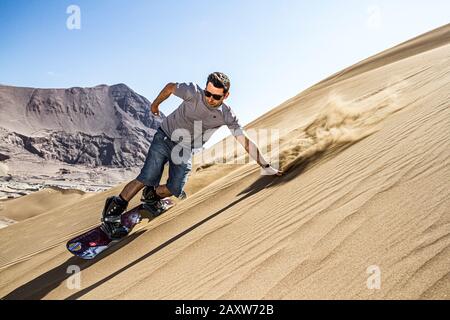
(114, 207)
(152, 201)
(149, 195)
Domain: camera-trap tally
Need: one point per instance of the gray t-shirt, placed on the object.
(193, 119)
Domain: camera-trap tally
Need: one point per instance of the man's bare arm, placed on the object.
(252, 149)
(254, 152)
(163, 95)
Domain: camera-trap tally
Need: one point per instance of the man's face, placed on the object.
(210, 101)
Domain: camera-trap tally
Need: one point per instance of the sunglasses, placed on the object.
(215, 96)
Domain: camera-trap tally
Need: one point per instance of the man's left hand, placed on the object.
(270, 171)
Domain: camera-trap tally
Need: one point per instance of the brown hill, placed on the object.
(104, 125)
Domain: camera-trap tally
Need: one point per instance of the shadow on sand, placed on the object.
(39, 287)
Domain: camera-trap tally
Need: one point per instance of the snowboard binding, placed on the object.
(111, 218)
(152, 202)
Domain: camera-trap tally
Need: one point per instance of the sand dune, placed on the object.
(40, 202)
(368, 158)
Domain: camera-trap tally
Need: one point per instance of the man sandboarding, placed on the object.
(190, 126)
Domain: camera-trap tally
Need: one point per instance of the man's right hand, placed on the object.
(163, 95)
(155, 109)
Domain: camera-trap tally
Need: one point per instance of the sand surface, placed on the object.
(40, 202)
(367, 188)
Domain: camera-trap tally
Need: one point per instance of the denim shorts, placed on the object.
(163, 150)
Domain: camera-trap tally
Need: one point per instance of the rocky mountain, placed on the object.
(99, 126)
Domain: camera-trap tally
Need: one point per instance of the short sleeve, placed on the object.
(233, 123)
(185, 91)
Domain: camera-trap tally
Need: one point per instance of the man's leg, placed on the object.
(150, 175)
(178, 175)
(163, 192)
(131, 189)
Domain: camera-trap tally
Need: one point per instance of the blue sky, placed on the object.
(271, 50)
